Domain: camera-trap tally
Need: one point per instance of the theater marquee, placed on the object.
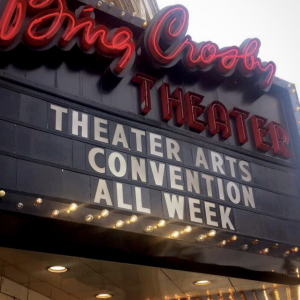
(99, 109)
(166, 164)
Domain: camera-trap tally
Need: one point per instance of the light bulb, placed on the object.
(123, 14)
(223, 243)
(187, 229)
(99, 3)
(133, 219)
(161, 223)
(89, 218)
(244, 247)
(2, 194)
(73, 207)
(201, 237)
(265, 251)
(145, 24)
(104, 213)
(20, 205)
(119, 224)
(175, 234)
(134, 14)
(55, 213)
(295, 249)
(234, 238)
(38, 201)
(148, 229)
(212, 233)
(255, 242)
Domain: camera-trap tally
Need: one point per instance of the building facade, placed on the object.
(136, 163)
(144, 9)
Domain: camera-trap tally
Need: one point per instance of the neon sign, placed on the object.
(169, 27)
(45, 25)
(49, 23)
(187, 108)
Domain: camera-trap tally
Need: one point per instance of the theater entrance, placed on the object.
(42, 276)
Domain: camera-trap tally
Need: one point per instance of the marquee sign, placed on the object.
(151, 144)
(48, 17)
(133, 168)
(164, 174)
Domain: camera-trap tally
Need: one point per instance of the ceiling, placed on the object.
(87, 277)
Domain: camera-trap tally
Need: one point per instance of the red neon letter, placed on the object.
(240, 118)
(218, 119)
(171, 25)
(52, 19)
(146, 84)
(12, 20)
(43, 28)
(280, 139)
(251, 63)
(116, 43)
(170, 101)
(194, 110)
(229, 60)
(169, 29)
(259, 132)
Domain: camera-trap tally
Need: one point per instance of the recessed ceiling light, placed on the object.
(57, 269)
(202, 282)
(104, 296)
